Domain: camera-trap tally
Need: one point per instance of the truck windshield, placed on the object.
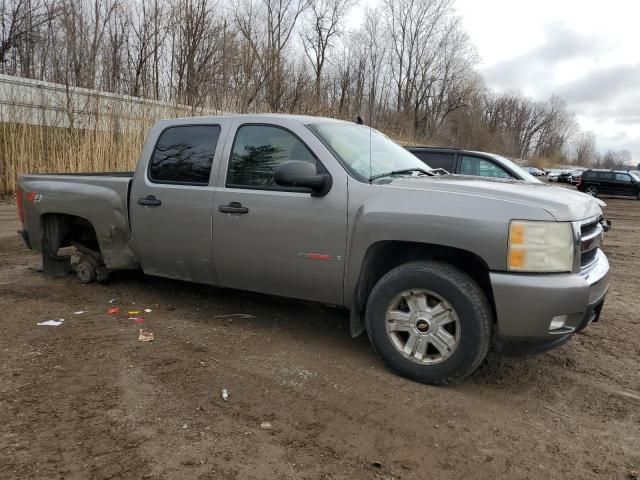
(364, 151)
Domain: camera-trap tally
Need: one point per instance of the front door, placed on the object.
(171, 204)
(274, 239)
(624, 184)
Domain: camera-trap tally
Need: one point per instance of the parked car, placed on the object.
(467, 162)
(434, 267)
(575, 177)
(536, 172)
(565, 176)
(610, 182)
(553, 174)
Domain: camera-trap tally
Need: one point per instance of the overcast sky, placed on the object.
(586, 51)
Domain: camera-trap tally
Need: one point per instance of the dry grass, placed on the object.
(35, 149)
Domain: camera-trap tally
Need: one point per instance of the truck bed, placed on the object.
(92, 174)
(101, 198)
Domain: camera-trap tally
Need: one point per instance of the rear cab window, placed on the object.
(436, 159)
(184, 155)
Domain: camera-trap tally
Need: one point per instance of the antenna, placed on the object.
(370, 167)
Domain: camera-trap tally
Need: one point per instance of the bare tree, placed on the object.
(585, 148)
(20, 23)
(323, 26)
(196, 41)
(268, 26)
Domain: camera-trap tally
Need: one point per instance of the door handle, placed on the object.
(149, 201)
(233, 207)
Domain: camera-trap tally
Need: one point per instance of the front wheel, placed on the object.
(591, 190)
(429, 321)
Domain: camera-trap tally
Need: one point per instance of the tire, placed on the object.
(442, 284)
(591, 190)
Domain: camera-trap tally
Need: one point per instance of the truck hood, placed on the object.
(562, 204)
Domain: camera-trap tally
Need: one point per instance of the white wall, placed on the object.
(45, 103)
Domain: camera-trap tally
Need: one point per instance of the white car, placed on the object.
(553, 175)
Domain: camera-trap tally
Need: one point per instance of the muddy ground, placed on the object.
(87, 400)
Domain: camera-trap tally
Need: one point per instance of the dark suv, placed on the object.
(466, 162)
(610, 182)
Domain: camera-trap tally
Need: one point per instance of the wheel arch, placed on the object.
(59, 230)
(73, 229)
(383, 256)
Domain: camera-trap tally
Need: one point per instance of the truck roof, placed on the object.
(259, 117)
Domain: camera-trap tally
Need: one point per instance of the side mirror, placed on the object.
(296, 173)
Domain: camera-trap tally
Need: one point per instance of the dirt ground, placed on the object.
(87, 400)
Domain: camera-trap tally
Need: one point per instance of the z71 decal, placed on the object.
(33, 197)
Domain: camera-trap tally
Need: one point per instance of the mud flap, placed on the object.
(356, 323)
(53, 231)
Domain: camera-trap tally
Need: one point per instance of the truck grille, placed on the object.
(587, 228)
(590, 240)
(587, 258)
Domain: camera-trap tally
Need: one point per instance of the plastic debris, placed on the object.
(137, 320)
(113, 310)
(113, 300)
(134, 312)
(51, 323)
(147, 310)
(79, 312)
(185, 426)
(266, 426)
(224, 394)
(145, 336)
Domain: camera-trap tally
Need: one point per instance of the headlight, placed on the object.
(540, 247)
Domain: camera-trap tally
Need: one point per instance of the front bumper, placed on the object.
(526, 304)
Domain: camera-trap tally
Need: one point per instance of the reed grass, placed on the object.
(40, 149)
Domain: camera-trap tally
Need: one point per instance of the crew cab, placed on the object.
(435, 268)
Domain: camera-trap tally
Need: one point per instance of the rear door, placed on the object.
(274, 239)
(624, 185)
(607, 182)
(171, 203)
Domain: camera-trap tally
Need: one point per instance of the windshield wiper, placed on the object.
(400, 172)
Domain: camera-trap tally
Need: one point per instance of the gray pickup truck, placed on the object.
(436, 268)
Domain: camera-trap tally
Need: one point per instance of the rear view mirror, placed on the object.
(296, 173)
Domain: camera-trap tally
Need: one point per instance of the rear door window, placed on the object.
(437, 159)
(481, 167)
(258, 150)
(184, 155)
